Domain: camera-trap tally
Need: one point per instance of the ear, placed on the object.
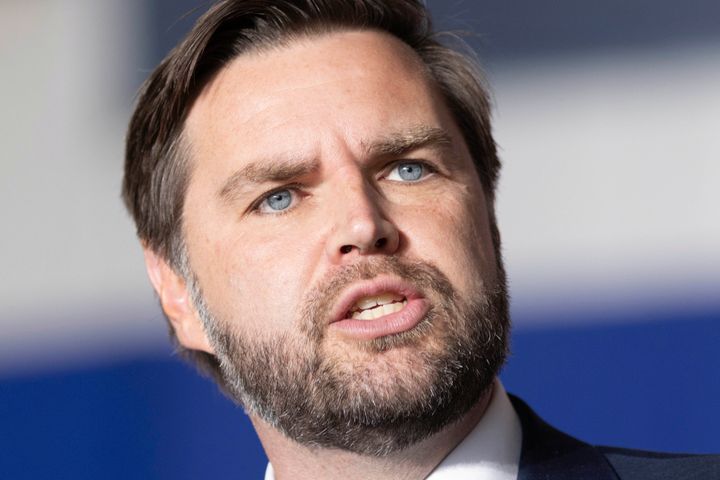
(176, 303)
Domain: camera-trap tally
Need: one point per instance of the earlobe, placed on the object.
(176, 302)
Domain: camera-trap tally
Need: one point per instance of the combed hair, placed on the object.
(157, 154)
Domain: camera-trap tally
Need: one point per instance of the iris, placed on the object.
(279, 200)
(410, 171)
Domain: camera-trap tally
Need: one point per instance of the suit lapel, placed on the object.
(550, 454)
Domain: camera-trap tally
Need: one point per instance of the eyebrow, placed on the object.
(420, 136)
(265, 171)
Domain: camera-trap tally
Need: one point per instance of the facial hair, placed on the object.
(372, 397)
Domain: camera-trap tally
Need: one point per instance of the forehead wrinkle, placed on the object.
(265, 171)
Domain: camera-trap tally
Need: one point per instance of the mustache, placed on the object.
(319, 301)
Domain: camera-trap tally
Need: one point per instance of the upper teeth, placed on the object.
(364, 309)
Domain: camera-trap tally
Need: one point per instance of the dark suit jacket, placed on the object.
(548, 454)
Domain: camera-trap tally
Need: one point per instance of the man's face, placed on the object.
(327, 177)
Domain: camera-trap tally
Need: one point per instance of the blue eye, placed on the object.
(277, 201)
(407, 172)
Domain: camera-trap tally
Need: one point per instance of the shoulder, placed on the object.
(548, 453)
(640, 464)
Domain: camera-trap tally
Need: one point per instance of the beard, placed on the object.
(371, 397)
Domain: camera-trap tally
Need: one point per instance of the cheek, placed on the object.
(252, 283)
(455, 235)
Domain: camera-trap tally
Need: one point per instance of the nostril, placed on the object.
(381, 242)
(346, 249)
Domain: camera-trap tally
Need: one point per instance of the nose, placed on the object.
(360, 227)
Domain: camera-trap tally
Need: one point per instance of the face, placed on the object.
(340, 244)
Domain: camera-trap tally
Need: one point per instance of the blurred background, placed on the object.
(608, 119)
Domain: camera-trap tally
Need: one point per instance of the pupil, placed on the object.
(279, 200)
(410, 171)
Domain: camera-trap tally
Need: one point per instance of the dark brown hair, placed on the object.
(156, 157)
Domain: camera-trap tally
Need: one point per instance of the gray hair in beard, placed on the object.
(290, 383)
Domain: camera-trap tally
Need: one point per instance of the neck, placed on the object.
(292, 460)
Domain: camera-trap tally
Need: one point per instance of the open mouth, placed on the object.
(376, 306)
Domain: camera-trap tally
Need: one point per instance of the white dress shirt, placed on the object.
(491, 451)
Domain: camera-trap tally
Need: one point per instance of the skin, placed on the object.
(324, 99)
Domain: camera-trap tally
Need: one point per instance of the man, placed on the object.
(313, 185)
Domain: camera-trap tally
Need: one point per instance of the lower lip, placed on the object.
(394, 323)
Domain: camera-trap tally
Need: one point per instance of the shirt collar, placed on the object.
(491, 451)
